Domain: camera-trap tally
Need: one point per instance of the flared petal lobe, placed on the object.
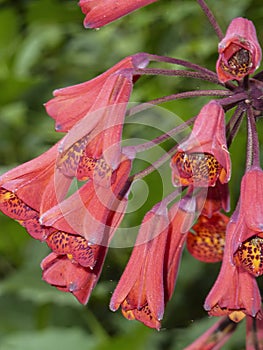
(31, 188)
(72, 103)
(35, 180)
(101, 12)
(93, 115)
(239, 51)
(203, 158)
(149, 277)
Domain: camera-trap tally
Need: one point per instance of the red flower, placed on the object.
(242, 257)
(84, 223)
(203, 158)
(31, 188)
(68, 276)
(149, 277)
(72, 103)
(239, 51)
(248, 244)
(235, 291)
(93, 113)
(101, 12)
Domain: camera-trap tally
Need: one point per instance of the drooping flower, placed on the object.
(203, 158)
(78, 229)
(149, 277)
(140, 290)
(84, 224)
(32, 188)
(248, 244)
(101, 12)
(72, 103)
(93, 114)
(235, 292)
(239, 51)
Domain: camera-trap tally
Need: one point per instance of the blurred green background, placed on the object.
(43, 46)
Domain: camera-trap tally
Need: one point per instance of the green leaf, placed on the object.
(52, 338)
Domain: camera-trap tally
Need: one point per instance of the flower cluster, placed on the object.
(78, 227)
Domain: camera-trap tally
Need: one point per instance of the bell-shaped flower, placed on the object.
(31, 188)
(84, 224)
(235, 292)
(248, 244)
(239, 51)
(203, 158)
(101, 12)
(93, 114)
(149, 277)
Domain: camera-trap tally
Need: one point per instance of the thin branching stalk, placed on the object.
(211, 19)
(183, 63)
(253, 154)
(231, 101)
(234, 124)
(155, 165)
(177, 72)
(158, 140)
(180, 95)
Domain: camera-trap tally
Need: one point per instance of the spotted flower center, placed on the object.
(75, 247)
(206, 240)
(239, 63)
(250, 256)
(75, 162)
(143, 314)
(69, 159)
(200, 169)
(13, 206)
(92, 167)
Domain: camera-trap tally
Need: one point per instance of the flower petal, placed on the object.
(101, 12)
(72, 103)
(239, 51)
(204, 158)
